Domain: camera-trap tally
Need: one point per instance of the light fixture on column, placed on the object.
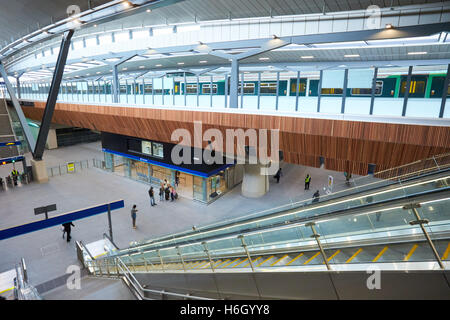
(389, 26)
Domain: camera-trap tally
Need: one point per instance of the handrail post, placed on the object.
(205, 245)
(145, 264)
(244, 245)
(181, 257)
(161, 259)
(421, 222)
(316, 236)
(436, 163)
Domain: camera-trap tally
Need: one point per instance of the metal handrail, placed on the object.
(119, 264)
(110, 240)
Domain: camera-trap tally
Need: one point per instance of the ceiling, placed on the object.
(21, 17)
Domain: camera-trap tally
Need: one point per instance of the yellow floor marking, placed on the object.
(264, 261)
(414, 247)
(222, 263)
(252, 261)
(278, 260)
(201, 265)
(6, 290)
(215, 262)
(353, 256)
(310, 259)
(444, 257)
(294, 259)
(334, 255)
(380, 254)
(240, 262)
(194, 263)
(231, 262)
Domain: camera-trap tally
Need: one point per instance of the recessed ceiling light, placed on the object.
(419, 52)
(95, 26)
(158, 65)
(351, 55)
(141, 67)
(148, 10)
(203, 61)
(98, 72)
(389, 26)
(124, 68)
(307, 57)
(264, 58)
(126, 4)
(88, 74)
(180, 63)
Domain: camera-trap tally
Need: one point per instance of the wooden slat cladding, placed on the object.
(345, 145)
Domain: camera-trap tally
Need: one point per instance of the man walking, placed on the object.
(151, 193)
(278, 175)
(133, 215)
(67, 228)
(307, 181)
(316, 197)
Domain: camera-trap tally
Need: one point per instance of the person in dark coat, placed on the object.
(316, 196)
(151, 194)
(167, 192)
(67, 228)
(278, 175)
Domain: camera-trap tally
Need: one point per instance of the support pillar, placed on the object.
(234, 101)
(39, 170)
(254, 185)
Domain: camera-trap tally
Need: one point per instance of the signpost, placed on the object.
(45, 209)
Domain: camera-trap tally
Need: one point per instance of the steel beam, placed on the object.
(226, 91)
(344, 91)
(444, 93)
(242, 90)
(23, 121)
(185, 90)
(374, 86)
(408, 85)
(53, 95)
(259, 89)
(297, 91)
(278, 91)
(319, 91)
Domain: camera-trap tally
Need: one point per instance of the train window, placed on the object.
(368, 91)
(249, 88)
(331, 91)
(302, 87)
(268, 87)
(206, 88)
(415, 87)
(148, 88)
(123, 88)
(191, 88)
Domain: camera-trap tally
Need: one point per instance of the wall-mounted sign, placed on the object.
(70, 167)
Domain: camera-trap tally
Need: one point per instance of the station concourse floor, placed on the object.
(47, 255)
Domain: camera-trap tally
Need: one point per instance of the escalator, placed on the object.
(325, 250)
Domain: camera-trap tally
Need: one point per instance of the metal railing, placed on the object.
(22, 289)
(117, 268)
(63, 169)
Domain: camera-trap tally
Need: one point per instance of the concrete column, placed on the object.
(234, 101)
(52, 142)
(254, 185)
(39, 170)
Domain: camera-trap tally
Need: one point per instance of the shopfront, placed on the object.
(149, 162)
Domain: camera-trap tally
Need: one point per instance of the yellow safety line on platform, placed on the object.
(444, 257)
(380, 254)
(334, 255)
(353, 256)
(278, 260)
(252, 261)
(6, 290)
(222, 263)
(201, 265)
(294, 259)
(265, 261)
(231, 262)
(414, 247)
(215, 262)
(312, 258)
(240, 262)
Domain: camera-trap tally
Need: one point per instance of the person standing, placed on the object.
(161, 192)
(133, 215)
(172, 193)
(278, 175)
(67, 229)
(307, 181)
(151, 193)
